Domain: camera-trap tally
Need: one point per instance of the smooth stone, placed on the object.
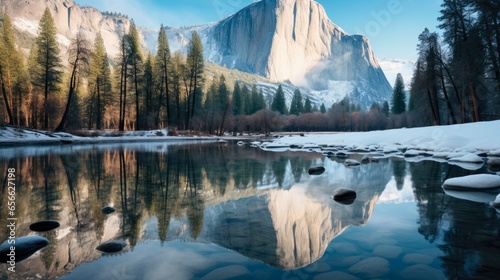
(365, 159)
(228, 258)
(345, 262)
(415, 258)
(316, 170)
(335, 275)
(371, 267)
(322, 267)
(344, 248)
(341, 155)
(387, 251)
(494, 162)
(227, 272)
(112, 246)
(344, 196)
(107, 210)
(45, 225)
(25, 247)
(420, 271)
(477, 182)
(351, 162)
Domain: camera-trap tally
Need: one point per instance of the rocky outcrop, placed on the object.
(69, 18)
(294, 40)
(283, 40)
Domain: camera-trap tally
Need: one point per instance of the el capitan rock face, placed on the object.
(294, 40)
(282, 40)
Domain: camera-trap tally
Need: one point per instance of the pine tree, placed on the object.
(79, 56)
(47, 73)
(99, 83)
(11, 68)
(399, 96)
(385, 108)
(136, 62)
(195, 64)
(163, 65)
(246, 98)
(148, 79)
(222, 102)
(308, 106)
(279, 103)
(124, 58)
(296, 107)
(238, 100)
(254, 101)
(322, 109)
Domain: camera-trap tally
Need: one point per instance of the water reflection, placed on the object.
(258, 204)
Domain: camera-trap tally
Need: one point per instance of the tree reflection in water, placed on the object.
(467, 232)
(260, 204)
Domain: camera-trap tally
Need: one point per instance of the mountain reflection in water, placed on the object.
(259, 204)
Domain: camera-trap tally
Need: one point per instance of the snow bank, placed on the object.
(496, 203)
(481, 136)
(473, 182)
(15, 136)
(471, 158)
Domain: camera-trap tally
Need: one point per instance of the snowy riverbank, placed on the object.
(480, 137)
(16, 136)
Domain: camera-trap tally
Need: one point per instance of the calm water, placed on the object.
(218, 212)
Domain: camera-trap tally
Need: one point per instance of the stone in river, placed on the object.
(342, 155)
(108, 210)
(387, 251)
(316, 170)
(335, 275)
(473, 183)
(228, 272)
(344, 196)
(365, 159)
(112, 246)
(45, 225)
(351, 162)
(24, 247)
(374, 267)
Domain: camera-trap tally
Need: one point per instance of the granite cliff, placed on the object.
(290, 41)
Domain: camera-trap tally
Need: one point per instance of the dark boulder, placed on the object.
(112, 246)
(351, 163)
(45, 225)
(344, 196)
(342, 155)
(108, 210)
(24, 247)
(316, 170)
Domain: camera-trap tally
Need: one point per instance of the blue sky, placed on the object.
(392, 26)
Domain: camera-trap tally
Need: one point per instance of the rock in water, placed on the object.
(108, 210)
(475, 182)
(112, 246)
(45, 225)
(344, 196)
(365, 159)
(496, 203)
(316, 170)
(24, 247)
(351, 162)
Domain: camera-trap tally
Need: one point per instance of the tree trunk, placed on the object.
(99, 106)
(72, 86)
(5, 98)
(448, 103)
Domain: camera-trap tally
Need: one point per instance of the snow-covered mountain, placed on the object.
(289, 41)
(393, 66)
